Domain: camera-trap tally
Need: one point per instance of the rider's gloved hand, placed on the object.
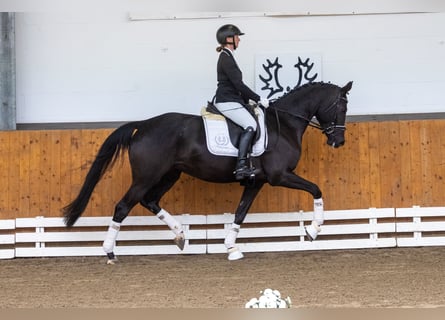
(264, 102)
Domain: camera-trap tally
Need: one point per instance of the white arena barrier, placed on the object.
(140, 235)
(346, 229)
(260, 232)
(7, 239)
(418, 226)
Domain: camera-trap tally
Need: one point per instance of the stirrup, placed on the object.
(244, 172)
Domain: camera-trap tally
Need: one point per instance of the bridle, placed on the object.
(333, 124)
(328, 130)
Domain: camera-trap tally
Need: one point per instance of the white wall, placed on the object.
(88, 66)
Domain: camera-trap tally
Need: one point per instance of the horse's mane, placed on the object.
(298, 89)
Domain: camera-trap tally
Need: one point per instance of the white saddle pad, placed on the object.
(218, 138)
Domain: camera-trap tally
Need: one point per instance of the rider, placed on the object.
(232, 95)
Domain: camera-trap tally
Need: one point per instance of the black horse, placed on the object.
(163, 147)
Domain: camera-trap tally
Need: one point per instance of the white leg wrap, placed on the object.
(173, 224)
(318, 211)
(313, 230)
(235, 254)
(110, 240)
(232, 235)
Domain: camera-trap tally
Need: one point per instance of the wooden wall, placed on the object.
(383, 164)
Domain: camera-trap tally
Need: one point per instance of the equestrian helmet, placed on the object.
(227, 30)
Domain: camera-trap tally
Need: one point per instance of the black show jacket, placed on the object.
(231, 87)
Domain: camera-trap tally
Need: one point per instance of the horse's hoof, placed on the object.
(179, 240)
(111, 258)
(312, 231)
(308, 235)
(235, 254)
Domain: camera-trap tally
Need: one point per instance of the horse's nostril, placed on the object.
(337, 144)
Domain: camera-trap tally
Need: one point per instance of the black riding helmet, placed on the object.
(227, 30)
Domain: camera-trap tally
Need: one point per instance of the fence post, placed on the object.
(417, 221)
(40, 229)
(373, 222)
(186, 228)
(301, 223)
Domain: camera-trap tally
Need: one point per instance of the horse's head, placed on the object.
(332, 117)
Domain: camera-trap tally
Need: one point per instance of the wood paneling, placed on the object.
(383, 164)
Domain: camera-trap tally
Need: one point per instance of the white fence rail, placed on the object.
(345, 229)
(421, 226)
(337, 233)
(48, 237)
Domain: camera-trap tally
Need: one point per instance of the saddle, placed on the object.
(222, 134)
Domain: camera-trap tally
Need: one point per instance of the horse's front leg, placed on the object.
(314, 228)
(247, 198)
(293, 181)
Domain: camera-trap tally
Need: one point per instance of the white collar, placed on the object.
(228, 51)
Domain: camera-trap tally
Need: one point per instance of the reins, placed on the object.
(311, 123)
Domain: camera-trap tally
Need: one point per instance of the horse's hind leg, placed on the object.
(151, 202)
(123, 207)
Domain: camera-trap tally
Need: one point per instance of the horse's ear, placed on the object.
(347, 87)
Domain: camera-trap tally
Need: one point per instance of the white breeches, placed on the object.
(237, 113)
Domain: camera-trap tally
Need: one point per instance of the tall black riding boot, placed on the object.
(243, 170)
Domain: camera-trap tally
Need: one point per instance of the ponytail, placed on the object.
(219, 49)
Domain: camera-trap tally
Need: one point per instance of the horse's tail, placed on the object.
(116, 143)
